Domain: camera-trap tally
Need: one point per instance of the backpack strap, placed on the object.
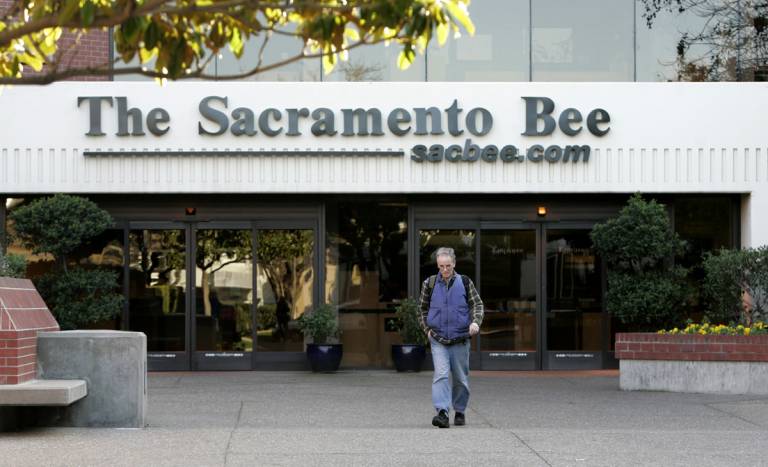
(431, 285)
(465, 281)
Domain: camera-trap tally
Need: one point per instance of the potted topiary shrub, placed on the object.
(324, 353)
(409, 356)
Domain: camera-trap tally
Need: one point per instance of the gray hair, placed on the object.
(446, 251)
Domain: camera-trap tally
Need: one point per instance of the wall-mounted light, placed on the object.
(541, 211)
(190, 211)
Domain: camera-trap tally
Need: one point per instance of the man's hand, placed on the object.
(474, 329)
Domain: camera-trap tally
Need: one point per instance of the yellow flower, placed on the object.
(746, 331)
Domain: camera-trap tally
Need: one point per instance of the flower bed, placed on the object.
(700, 362)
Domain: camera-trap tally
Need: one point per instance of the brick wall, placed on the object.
(18, 356)
(22, 315)
(92, 49)
(691, 347)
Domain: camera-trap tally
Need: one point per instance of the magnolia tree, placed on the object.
(175, 39)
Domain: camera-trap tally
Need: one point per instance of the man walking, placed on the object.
(451, 311)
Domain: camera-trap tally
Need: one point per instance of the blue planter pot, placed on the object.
(408, 357)
(324, 358)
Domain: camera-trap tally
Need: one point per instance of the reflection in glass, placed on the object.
(462, 242)
(706, 225)
(657, 46)
(508, 278)
(285, 272)
(376, 63)
(497, 52)
(104, 252)
(574, 292)
(224, 290)
(366, 274)
(573, 42)
(279, 48)
(157, 289)
(367, 264)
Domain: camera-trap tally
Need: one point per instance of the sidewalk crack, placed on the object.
(513, 434)
(232, 433)
(750, 422)
(530, 448)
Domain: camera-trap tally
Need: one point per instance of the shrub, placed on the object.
(735, 283)
(646, 290)
(58, 226)
(265, 316)
(79, 297)
(12, 266)
(320, 325)
(407, 314)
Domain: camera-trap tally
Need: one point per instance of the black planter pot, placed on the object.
(324, 358)
(408, 357)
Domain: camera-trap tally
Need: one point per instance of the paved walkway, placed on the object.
(383, 418)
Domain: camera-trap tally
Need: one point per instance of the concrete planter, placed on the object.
(693, 363)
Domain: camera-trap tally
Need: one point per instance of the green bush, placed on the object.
(646, 290)
(12, 266)
(735, 285)
(58, 226)
(320, 325)
(266, 317)
(407, 314)
(79, 297)
(648, 300)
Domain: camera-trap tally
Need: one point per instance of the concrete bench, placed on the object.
(54, 392)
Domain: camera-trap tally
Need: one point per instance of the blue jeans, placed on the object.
(450, 360)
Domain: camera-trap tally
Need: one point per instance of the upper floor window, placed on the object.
(499, 51)
(588, 40)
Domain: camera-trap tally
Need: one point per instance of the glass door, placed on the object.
(157, 292)
(223, 305)
(542, 287)
(509, 287)
(575, 323)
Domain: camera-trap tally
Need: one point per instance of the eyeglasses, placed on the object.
(445, 266)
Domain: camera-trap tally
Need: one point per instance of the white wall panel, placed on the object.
(611, 169)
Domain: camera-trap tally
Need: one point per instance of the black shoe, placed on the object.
(441, 419)
(459, 419)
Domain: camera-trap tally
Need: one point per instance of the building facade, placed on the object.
(239, 206)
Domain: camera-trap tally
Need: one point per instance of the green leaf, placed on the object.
(352, 34)
(87, 13)
(459, 14)
(69, 10)
(442, 33)
(236, 43)
(151, 36)
(130, 30)
(146, 55)
(405, 58)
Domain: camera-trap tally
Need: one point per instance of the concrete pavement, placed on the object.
(383, 418)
